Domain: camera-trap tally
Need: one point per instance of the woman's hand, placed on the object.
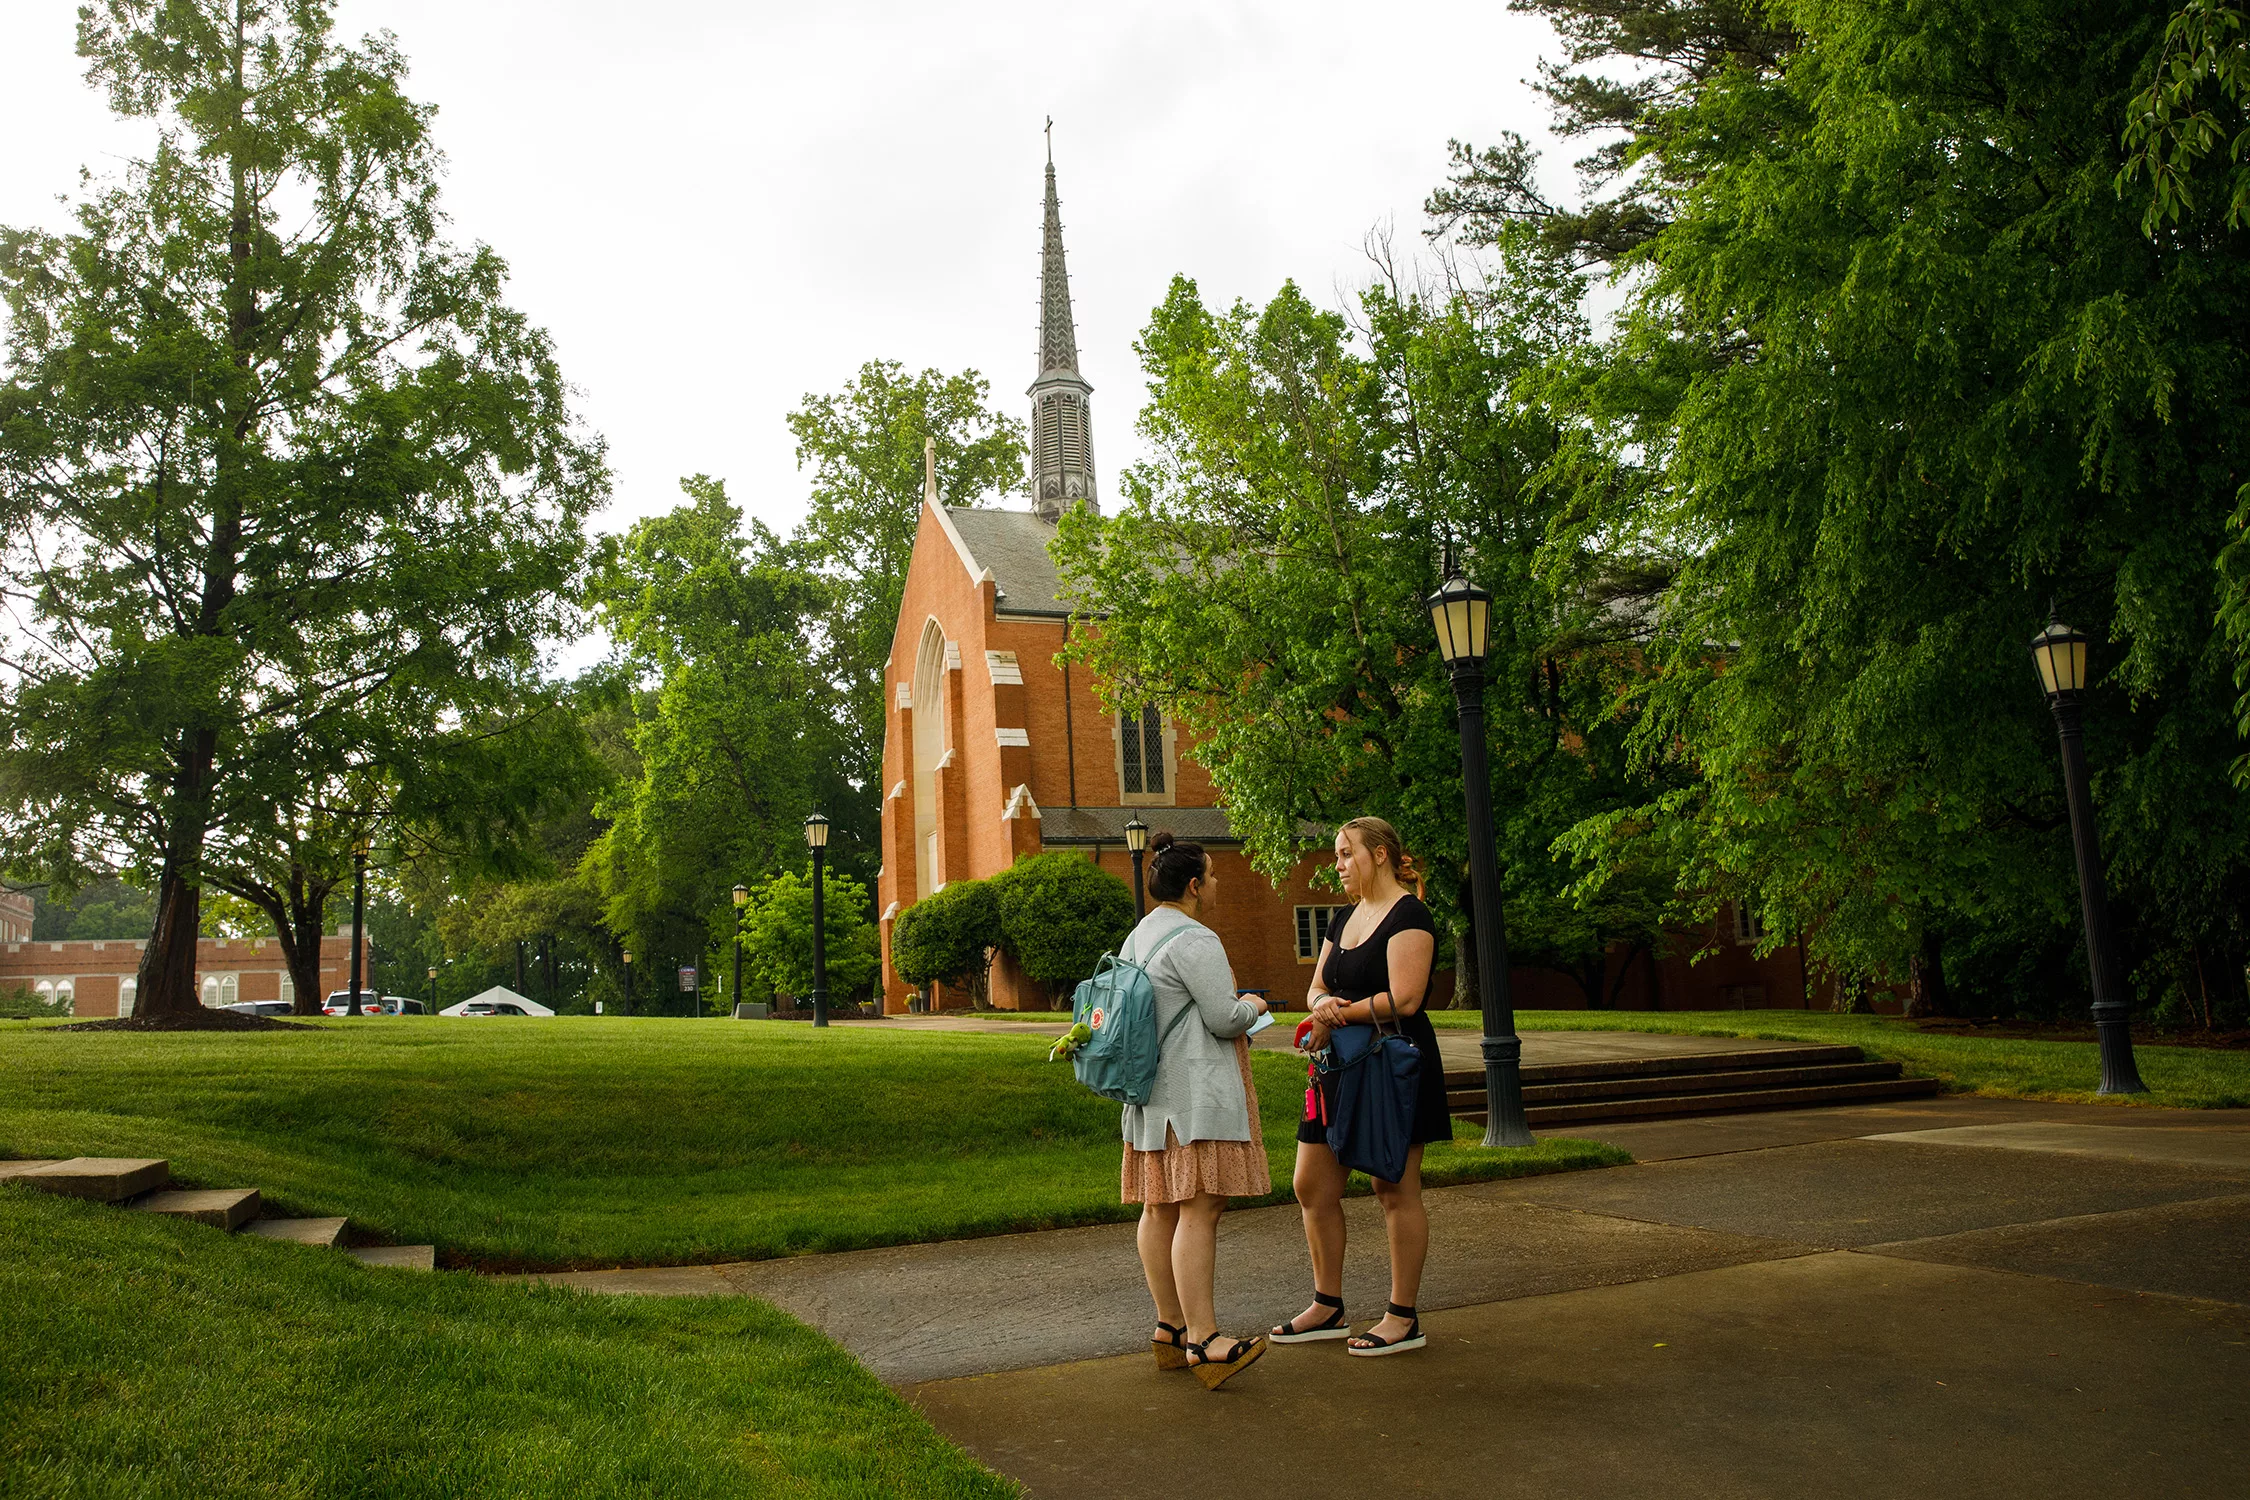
(1316, 1036)
(1258, 1001)
(1330, 1012)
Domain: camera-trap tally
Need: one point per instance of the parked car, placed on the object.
(492, 1008)
(339, 1003)
(261, 1008)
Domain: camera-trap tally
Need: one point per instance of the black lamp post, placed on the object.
(741, 900)
(2060, 654)
(432, 977)
(1462, 614)
(1136, 839)
(359, 921)
(816, 836)
(628, 981)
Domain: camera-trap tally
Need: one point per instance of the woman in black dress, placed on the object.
(1374, 966)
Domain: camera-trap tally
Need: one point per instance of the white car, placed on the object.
(491, 1008)
(339, 1003)
(261, 1008)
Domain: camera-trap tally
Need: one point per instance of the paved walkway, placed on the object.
(1932, 1296)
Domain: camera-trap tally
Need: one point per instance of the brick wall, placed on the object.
(98, 970)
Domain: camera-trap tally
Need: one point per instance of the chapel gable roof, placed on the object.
(1012, 546)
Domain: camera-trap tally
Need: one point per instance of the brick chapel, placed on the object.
(992, 750)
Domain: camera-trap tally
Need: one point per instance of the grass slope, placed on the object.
(1999, 1067)
(602, 1141)
(140, 1356)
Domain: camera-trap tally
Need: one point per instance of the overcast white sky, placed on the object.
(716, 208)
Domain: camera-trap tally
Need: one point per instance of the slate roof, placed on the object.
(1013, 544)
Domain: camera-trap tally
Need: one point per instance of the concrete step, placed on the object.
(1641, 1067)
(399, 1257)
(103, 1179)
(1721, 1102)
(221, 1208)
(1683, 1083)
(327, 1233)
(13, 1169)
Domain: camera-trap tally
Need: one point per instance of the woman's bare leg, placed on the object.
(1406, 1224)
(1195, 1253)
(1158, 1223)
(1319, 1185)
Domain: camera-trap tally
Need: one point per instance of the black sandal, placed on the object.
(1171, 1353)
(1214, 1372)
(1335, 1328)
(1369, 1346)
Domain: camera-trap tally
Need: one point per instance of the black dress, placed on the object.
(1357, 972)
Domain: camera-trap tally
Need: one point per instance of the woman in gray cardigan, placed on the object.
(1196, 1142)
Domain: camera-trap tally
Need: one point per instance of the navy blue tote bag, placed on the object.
(1369, 1080)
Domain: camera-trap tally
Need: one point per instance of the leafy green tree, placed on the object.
(734, 733)
(106, 908)
(1265, 579)
(865, 446)
(1059, 913)
(777, 934)
(2191, 108)
(274, 457)
(1913, 372)
(949, 938)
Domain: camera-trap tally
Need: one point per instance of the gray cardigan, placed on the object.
(1198, 1090)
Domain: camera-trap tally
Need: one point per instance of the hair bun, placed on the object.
(1162, 839)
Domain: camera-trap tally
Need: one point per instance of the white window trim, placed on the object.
(1170, 796)
(1749, 929)
(1322, 916)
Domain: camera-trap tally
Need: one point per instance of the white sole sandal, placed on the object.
(1334, 1328)
(1367, 1346)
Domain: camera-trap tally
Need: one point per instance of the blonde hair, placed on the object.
(1374, 834)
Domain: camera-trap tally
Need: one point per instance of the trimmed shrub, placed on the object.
(948, 938)
(1059, 913)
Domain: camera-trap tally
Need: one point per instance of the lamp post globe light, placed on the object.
(1136, 840)
(1461, 613)
(431, 975)
(628, 954)
(2059, 653)
(816, 837)
(741, 900)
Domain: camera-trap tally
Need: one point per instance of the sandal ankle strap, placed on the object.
(1400, 1312)
(1322, 1299)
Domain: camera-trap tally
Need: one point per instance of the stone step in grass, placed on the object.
(397, 1257)
(10, 1170)
(103, 1179)
(328, 1234)
(221, 1208)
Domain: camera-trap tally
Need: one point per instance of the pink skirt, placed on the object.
(1232, 1169)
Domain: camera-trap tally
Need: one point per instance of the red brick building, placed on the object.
(992, 750)
(97, 976)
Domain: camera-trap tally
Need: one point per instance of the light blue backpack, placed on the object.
(1118, 1006)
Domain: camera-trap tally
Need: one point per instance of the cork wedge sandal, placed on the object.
(1171, 1353)
(1214, 1372)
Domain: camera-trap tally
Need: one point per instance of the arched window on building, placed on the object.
(220, 989)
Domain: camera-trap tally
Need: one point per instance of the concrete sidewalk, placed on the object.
(1942, 1296)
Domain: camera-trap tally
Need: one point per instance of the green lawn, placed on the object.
(1999, 1067)
(144, 1357)
(604, 1141)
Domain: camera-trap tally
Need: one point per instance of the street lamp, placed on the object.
(741, 900)
(1136, 839)
(628, 981)
(816, 837)
(1462, 615)
(2060, 654)
(432, 977)
(359, 920)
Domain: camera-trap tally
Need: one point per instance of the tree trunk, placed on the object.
(1925, 990)
(1593, 981)
(166, 982)
(1625, 971)
(1468, 989)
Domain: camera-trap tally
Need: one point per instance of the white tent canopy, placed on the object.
(499, 994)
